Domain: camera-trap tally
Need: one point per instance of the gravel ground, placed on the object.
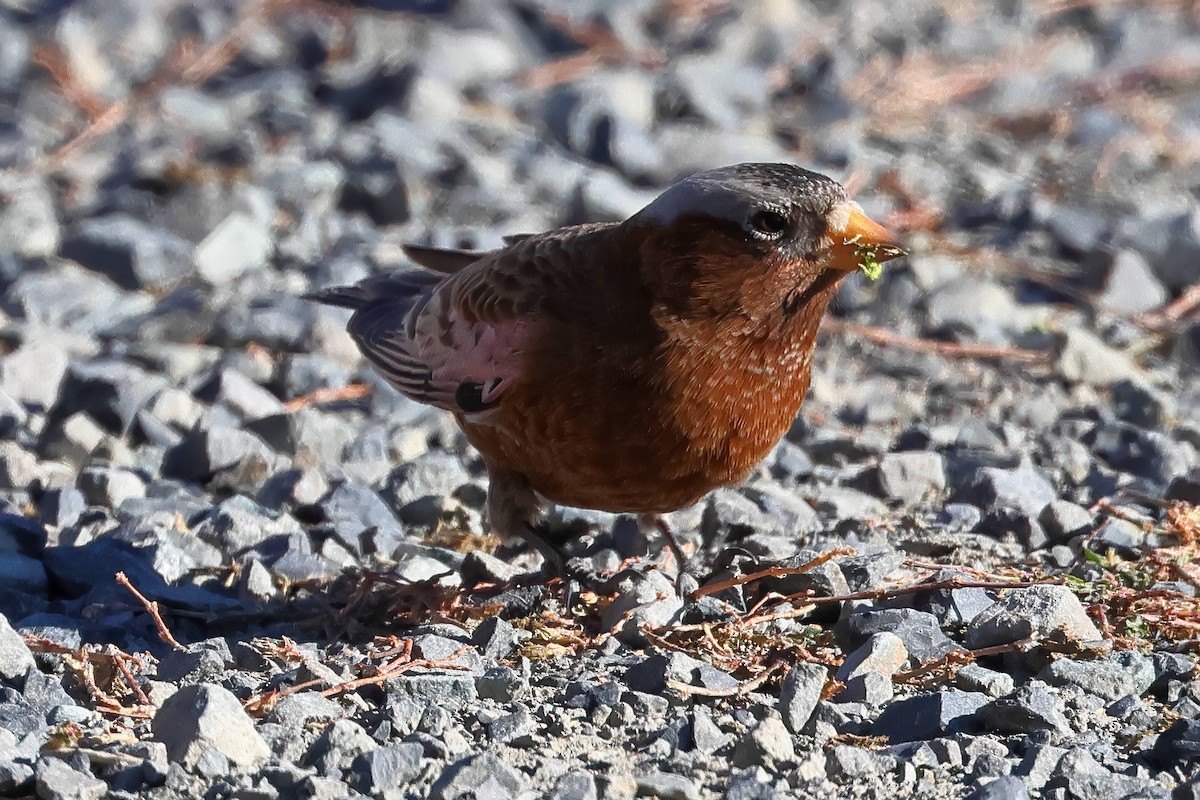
(966, 571)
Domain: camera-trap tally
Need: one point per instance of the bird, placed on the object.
(630, 367)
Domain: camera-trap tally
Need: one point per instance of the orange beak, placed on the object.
(854, 236)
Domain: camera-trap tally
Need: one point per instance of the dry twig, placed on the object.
(51, 59)
(151, 607)
(932, 586)
(195, 70)
(1166, 318)
(772, 572)
(741, 689)
(401, 661)
(1105, 505)
(601, 46)
(889, 338)
(328, 394)
(83, 662)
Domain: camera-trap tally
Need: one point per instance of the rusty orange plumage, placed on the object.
(626, 367)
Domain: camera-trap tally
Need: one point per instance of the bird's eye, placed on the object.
(767, 223)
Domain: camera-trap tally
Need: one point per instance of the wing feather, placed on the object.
(442, 260)
(456, 339)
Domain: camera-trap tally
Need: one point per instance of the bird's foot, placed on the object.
(685, 582)
(538, 537)
(554, 566)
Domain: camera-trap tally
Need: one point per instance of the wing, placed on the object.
(440, 259)
(407, 328)
(448, 261)
(457, 341)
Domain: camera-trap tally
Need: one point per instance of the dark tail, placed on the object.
(440, 259)
(397, 286)
(448, 261)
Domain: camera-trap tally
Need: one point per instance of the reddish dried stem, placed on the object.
(151, 607)
(398, 666)
(772, 572)
(123, 664)
(335, 394)
(734, 691)
(198, 70)
(889, 338)
(917, 588)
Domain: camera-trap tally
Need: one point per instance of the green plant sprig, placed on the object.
(868, 258)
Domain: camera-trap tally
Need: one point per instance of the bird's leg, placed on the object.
(515, 510)
(655, 522)
(685, 582)
(552, 560)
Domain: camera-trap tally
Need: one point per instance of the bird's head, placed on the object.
(753, 238)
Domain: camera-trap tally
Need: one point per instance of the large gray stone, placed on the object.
(929, 716)
(800, 692)
(132, 253)
(483, 775)
(15, 658)
(910, 476)
(206, 716)
(1034, 612)
(1119, 675)
(58, 780)
(1083, 357)
(238, 244)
